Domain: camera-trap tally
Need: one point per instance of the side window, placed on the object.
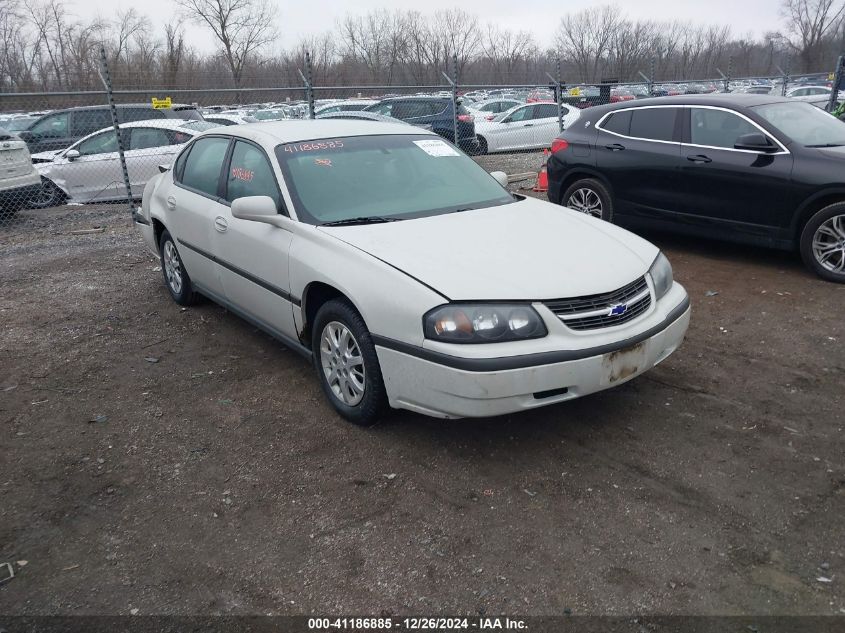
(655, 124)
(329, 110)
(618, 122)
(250, 174)
(147, 137)
(414, 109)
(384, 108)
(179, 165)
(140, 114)
(87, 121)
(717, 128)
(545, 111)
(523, 114)
(53, 126)
(203, 165)
(103, 143)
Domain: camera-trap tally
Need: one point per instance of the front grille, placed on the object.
(594, 311)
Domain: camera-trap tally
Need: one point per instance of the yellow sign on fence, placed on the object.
(574, 92)
(160, 104)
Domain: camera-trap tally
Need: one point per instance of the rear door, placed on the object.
(729, 186)
(192, 204)
(638, 150)
(253, 256)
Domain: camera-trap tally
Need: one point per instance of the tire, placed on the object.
(175, 276)
(482, 146)
(49, 196)
(356, 389)
(822, 243)
(590, 196)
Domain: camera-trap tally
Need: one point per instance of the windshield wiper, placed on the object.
(364, 219)
(826, 145)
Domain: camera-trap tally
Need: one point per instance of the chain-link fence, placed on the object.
(101, 147)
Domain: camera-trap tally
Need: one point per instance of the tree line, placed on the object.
(46, 48)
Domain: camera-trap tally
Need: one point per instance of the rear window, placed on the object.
(204, 163)
(618, 123)
(656, 124)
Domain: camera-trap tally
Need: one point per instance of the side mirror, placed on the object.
(163, 168)
(258, 209)
(72, 154)
(754, 142)
(500, 177)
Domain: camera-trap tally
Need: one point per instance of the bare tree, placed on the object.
(243, 27)
(809, 22)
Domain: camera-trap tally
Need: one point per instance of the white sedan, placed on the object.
(90, 170)
(406, 274)
(528, 126)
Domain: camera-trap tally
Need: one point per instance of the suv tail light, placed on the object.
(558, 145)
(466, 118)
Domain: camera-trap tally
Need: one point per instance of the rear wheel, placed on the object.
(589, 196)
(48, 196)
(823, 243)
(347, 364)
(175, 276)
(482, 145)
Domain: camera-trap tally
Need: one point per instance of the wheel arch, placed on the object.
(581, 173)
(813, 205)
(315, 295)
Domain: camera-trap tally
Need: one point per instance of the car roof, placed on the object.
(167, 124)
(743, 100)
(175, 106)
(418, 98)
(274, 132)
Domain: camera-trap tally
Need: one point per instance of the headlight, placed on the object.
(483, 323)
(661, 275)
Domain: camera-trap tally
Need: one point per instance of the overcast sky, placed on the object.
(298, 17)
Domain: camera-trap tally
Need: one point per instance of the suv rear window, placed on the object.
(618, 123)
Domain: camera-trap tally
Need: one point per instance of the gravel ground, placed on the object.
(180, 462)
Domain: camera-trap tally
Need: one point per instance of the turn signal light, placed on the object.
(559, 145)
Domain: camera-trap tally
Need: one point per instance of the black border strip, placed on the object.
(504, 363)
(284, 294)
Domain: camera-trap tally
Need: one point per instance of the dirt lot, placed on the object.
(179, 461)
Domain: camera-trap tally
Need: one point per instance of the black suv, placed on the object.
(747, 168)
(435, 113)
(62, 128)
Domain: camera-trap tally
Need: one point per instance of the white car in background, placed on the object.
(527, 126)
(20, 182)
(90, 170)
(223, 118)
(491, 108)
(405, 273)
(349, 105)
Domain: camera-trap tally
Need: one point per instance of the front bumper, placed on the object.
(464, 390)
(23, 190)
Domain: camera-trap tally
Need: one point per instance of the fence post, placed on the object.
(559, 92)
(837, 80)
(730, 72)
(651, 77)
(785, 77)
(455, 98)
(309, 85)
(106, 79)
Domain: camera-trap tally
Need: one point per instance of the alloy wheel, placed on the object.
(829, 244)
(342, 363)
(586, 201)
(172, 267)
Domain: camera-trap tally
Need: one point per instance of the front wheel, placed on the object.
(482, 146)
(48, 196)
(823, 243)
(589, 196)
(347, 364)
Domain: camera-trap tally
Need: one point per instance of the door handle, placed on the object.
(171, 203)
(527, 125)
(615, 147)
(220, 224)
(699, 158)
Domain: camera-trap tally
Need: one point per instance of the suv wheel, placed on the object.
(591, 197)
(347, 364)
(175, 276)
(823, 243)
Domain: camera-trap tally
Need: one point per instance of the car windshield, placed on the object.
(391, 177)
(804, 123)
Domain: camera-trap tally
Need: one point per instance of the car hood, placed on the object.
(528, 250)
(46, 157)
